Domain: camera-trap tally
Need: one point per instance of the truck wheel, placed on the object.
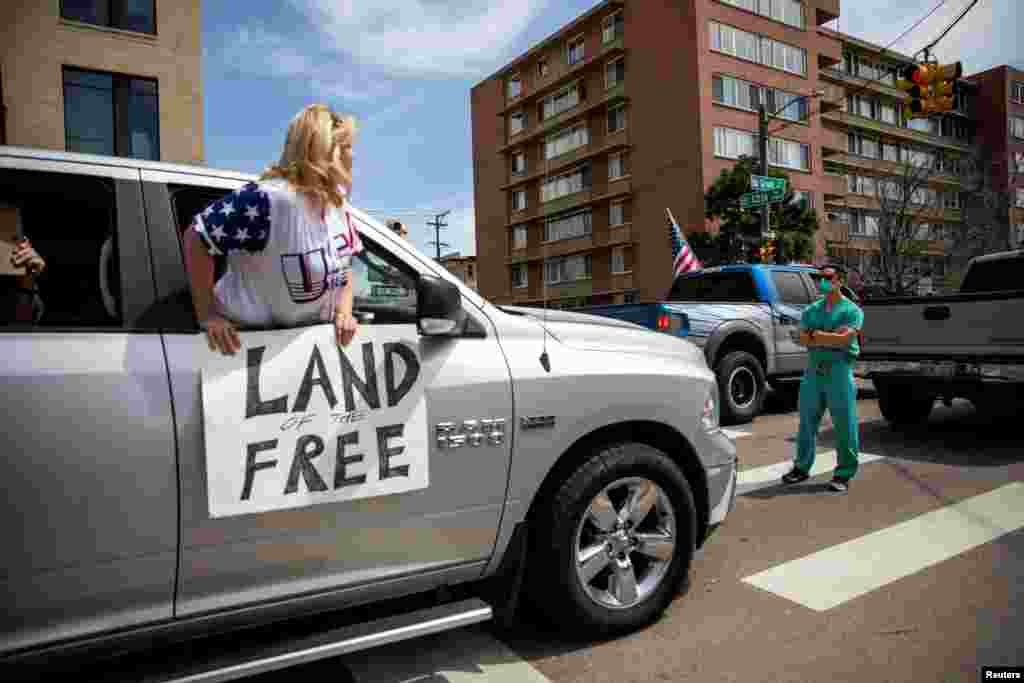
(741, 386)
(614, 541)
(901, 406)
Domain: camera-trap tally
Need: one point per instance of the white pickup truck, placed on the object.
(966, 345)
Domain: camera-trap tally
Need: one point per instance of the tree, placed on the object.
(794, 223)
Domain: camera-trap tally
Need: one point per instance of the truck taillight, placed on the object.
(663, 322)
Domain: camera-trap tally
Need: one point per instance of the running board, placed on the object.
(250, 661)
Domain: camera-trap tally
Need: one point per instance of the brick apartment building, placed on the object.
(103, 77)
(462, 267)
(1001, 128)
(581, 143)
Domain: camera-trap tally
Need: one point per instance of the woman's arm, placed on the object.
(345, 325)
(221, 335)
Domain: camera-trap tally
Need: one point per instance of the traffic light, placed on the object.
(932, 88)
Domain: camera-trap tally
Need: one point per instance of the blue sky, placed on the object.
(404, 68)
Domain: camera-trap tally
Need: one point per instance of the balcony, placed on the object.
(565, 161)
(936, 214)
(829, 49)
(612, 95)
(556, 81)
(840, 76)
(826, 11)
(886, 168)
(906, 134)
(577, 200)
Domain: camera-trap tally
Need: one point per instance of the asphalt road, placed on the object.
(914, 575)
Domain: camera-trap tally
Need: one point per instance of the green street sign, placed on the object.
(752, 199)
(763, 183)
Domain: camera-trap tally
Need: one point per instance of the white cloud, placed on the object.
(422, 37)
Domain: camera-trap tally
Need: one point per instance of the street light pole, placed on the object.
(762, 121)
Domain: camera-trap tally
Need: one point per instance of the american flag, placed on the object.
(683, 258)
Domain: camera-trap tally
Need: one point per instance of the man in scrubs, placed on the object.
(829, 329)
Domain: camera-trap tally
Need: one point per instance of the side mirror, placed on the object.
(439, 307)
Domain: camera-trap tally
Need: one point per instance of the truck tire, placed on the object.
(597, 570)
(741, 387)
(901, 406)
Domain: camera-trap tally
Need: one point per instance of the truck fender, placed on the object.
(727, 330)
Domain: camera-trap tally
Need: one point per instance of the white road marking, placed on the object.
(465, 655)
(770, 475)
(833, 576)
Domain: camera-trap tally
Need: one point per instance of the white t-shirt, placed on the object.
(286, 263)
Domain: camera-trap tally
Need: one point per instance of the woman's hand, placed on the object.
(24, 256)
(222, 336)
(345, 328)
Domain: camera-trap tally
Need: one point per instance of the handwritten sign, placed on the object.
(294, 420)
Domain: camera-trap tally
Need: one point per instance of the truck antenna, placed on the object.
(545, 360)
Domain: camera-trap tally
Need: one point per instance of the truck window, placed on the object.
(993, 276)
(383, 285)
(737, 287)
(70, 221)
(685, 289)
(791, 288)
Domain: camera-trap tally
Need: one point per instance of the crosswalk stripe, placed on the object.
(833, 576)
(769, 475)
(465, 655)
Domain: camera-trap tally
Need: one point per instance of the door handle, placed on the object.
(936, 313)
(363, 317)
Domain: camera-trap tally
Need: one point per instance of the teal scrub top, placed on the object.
(844, 313)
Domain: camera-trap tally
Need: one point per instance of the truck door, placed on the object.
(87, 445)
(792, 298)
(376, 545)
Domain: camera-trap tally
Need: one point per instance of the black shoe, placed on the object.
(795, 476)
(839, 485)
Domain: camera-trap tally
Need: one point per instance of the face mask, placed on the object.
(825, 286)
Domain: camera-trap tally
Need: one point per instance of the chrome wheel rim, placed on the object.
(742, 387)
(625, 543)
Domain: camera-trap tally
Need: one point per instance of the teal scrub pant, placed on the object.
(829, 384)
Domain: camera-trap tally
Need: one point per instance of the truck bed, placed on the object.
(966, 327)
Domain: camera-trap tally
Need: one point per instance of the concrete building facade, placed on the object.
(103, 77)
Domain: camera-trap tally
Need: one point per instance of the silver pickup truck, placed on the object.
(966, 345)
(174, 514)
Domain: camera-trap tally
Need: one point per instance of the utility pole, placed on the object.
(437, 225)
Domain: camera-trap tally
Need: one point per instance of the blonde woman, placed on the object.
(288, 240)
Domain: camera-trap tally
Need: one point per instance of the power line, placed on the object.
(878, 79)
(949, 28)
(437, 225)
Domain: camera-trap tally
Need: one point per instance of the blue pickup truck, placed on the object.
(745, 318)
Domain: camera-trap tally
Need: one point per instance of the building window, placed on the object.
(567, 269)
(519, 233)
(519, 163)
(611, 27)
(566, 184)
(616, 214)
(111, 114)
(618, 260)
(518, 200)
(516, 122)
(1017, 92)
(574, 51)
(614, 73)
(616, 118)
(561, 101)
(756, 48)
(890, 152)
(923, 125)
(568, 226)
(733, 144)
(787, 11)
(862, 146)
(803, 197)
(1017, 127)
(741, 94)
(127, 15)
(519, 280)
(1018, 161)
(515, 87)
(566, 141)
(789, 154)
(863, 225)
(1020, 197)
(951, 200)
(618, 166)
(543, 67)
